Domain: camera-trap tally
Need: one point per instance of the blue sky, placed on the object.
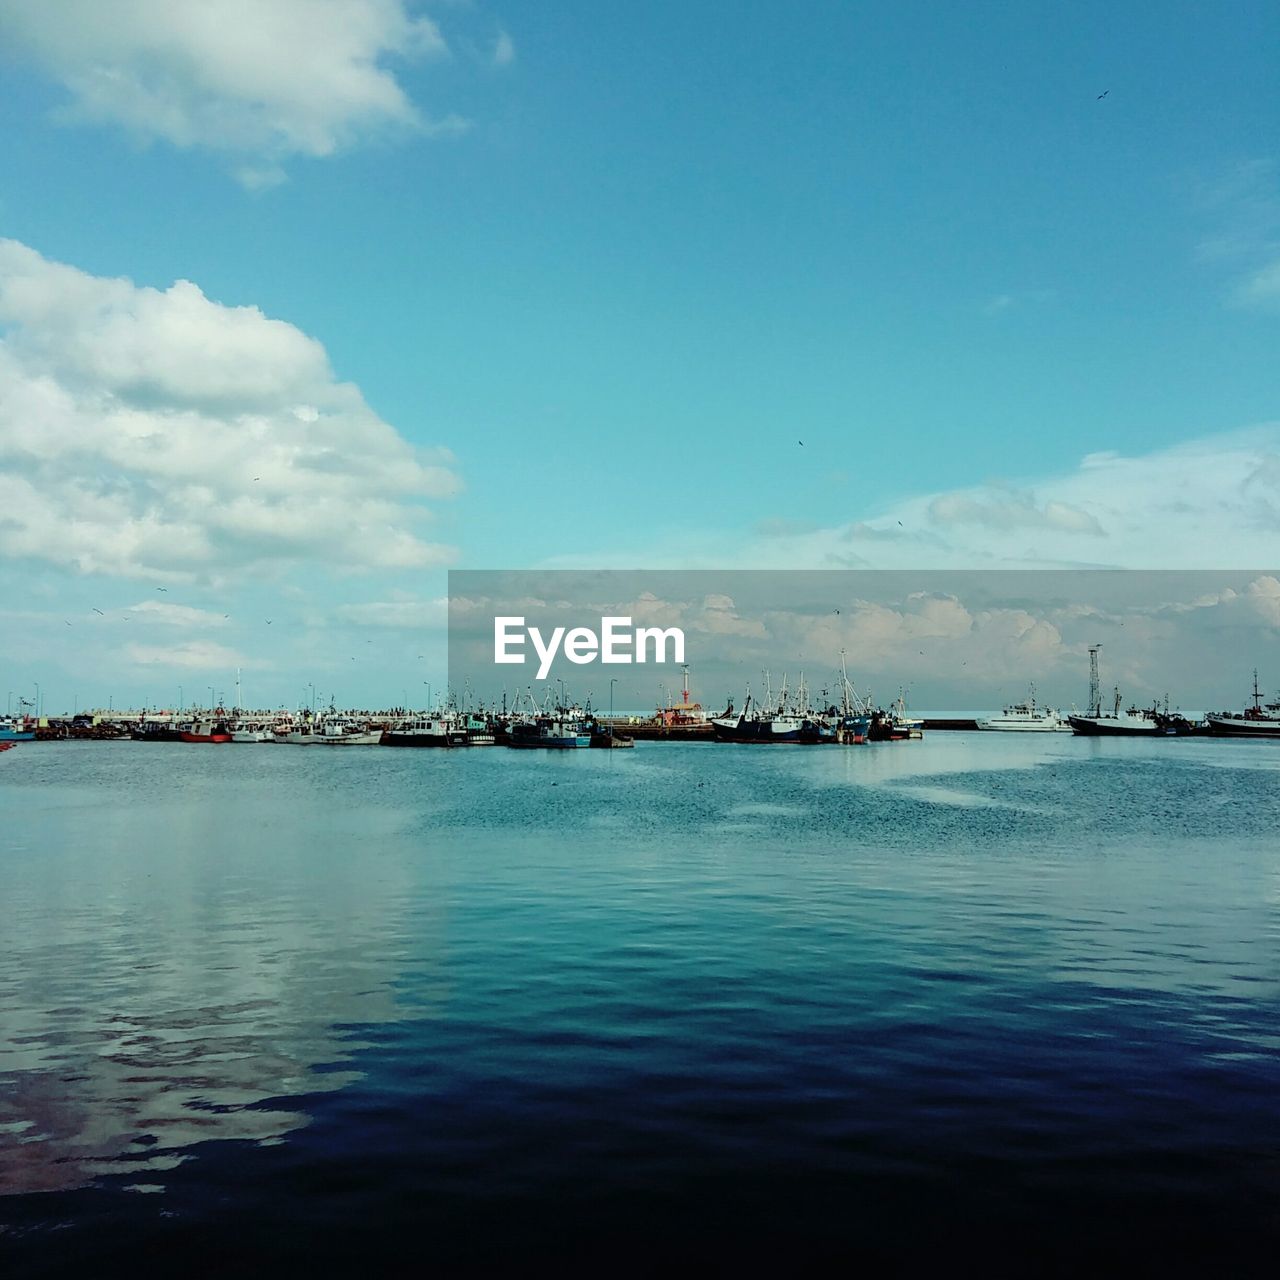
(618, 262)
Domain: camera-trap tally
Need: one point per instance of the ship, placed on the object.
(438, 730)
(1116, 723)
(558, 731)
(1261, 720)
(1026, 717)
(788, 720)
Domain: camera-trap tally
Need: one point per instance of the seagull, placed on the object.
(268, 622)
(100, 611)
(64, 620)
(801, 443)
(899, 524)
(257, 477)
(162, 588)
(1103, 94)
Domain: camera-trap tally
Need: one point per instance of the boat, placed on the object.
(8, 744)
(1116, 723)
(556, 727)
(1261, 720)
(439, 730)
(204, 731)
(788, 720)
(1026, 717)
(14, 729)
(342, 731)
(247, 731)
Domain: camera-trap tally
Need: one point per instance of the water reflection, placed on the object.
(175, 973)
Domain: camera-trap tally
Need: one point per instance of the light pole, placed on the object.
(428, 684)
(180, 698)
(211, 697)
(37, 685)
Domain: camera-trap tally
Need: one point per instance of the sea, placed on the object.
(977, 1004)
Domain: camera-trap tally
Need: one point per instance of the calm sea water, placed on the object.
(980, 1002)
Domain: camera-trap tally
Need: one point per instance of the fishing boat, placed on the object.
(439, 730)
(1115, 723)
(248, 731)
(15, 729)
(788, 720)
(1026, 717)
(1261, 720)
(204, 731)
(342, 731)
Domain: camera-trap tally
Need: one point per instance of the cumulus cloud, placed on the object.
(242, 77)
(159, 434)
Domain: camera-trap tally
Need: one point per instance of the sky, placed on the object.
(303, 304)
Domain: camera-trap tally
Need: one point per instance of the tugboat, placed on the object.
(1262, 720)
(1117, 723)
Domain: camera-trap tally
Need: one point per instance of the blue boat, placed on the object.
(15, 730)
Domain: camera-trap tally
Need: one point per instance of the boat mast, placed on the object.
(1095, 689)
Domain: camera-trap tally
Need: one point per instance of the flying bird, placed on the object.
(257, 477)
(899, 524)
(801, 443)
(100, 611)
(268, 622)
(64, 620)
(1103, 94)
(162, 588)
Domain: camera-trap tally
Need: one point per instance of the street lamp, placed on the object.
(37, 685)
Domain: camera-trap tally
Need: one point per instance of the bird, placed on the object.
(801, 443)
(268, 622)
(162, 588)
(257, 477)
(64, 620)
(899, 524)
(100, 611)
(226, 615)
(1103, 94)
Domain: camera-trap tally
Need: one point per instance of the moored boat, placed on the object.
(1261, 720)
(1026, 717)
(214, 731)
(1116, 723)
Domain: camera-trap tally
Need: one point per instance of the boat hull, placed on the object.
(185, 736)
(17, 735)
(1104, 727)
(1243, 727)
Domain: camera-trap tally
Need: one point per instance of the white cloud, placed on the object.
(159, 434)
(1010, 510)
(1211, 503)
(262, 78)
(411, 615)
(175, 615)
(197, 655)
(504, 50)
(1261, 287)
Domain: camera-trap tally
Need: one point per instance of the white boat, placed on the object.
(242, 731)
(339, 731)
(1027, 717)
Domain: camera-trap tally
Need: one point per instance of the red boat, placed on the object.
(7, 746)
(205, 731)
